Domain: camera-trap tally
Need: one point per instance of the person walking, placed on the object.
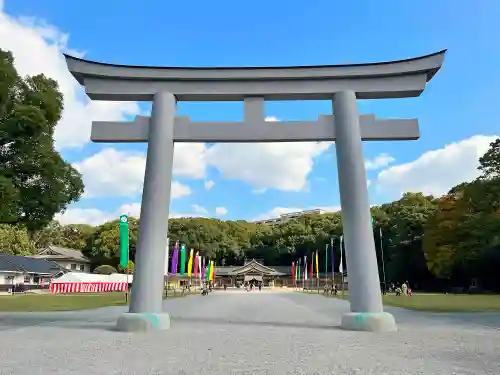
(404, 289)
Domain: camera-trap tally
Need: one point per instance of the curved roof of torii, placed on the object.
(391, 79)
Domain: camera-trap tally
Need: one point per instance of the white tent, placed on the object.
(120, 277)
(80, 277)
(79, 282)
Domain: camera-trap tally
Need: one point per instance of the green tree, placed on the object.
(14, 240)
(35, 182)
(489, 163)
(52, 234)
(129, 269)
(403, 232)
(105, 269)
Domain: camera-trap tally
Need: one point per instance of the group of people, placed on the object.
(403, 290)
(250, 287)
(332, 290)
(205, 288)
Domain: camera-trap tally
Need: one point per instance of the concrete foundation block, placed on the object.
(143, 322)
(369, 322)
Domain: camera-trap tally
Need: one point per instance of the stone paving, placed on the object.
(249, 333)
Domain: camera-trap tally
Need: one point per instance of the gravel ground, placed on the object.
(249, 333)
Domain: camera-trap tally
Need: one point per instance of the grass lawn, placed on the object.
(443, 302)
(66, 302)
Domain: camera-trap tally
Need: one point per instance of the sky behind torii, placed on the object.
(457, 112)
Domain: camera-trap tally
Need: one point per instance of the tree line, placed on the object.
(432, 242)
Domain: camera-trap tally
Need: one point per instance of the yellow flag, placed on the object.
(317, 265)
(190, 263)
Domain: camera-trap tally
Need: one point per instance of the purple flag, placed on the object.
(203, 269)
(174, 258)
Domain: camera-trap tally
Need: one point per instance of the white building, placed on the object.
(25, 273)
(69, 259)
(292, 215)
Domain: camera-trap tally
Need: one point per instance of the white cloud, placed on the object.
(209, 184)
(37, 48)
(282, 166)
(179, 190)
(94, 216)
(190, 160)
(278, 211)
(435, 172)
(197, 209)
(91, 216)
(380, 161)
(118, 173)
(221, 211)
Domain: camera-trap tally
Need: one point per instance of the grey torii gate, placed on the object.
(342, 84)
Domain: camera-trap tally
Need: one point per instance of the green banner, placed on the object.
(183, 260)
(123, 241)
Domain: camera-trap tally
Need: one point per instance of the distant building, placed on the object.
(18, 272)
(70, 259)
(254, 271)
(292, 215)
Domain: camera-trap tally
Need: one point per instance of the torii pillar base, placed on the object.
(137, 322)
(368, 322)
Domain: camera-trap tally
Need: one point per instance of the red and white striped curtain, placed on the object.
(95, 287)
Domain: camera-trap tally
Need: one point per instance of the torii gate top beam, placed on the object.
(393, 79)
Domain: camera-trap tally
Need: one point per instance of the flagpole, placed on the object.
(341, 265)
(332, 250)
(326, 266)
(317, 269)
(305, 273)
(166, 265)
(383, 261)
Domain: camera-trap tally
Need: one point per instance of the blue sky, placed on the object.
(457, 109)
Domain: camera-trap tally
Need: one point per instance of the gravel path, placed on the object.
(249, 333)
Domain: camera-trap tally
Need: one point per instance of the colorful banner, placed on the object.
(196, 267)
(207, 273)
(298, 272)
(317, 264)
(183, 260)
(124, 240)
(175, 257)
(165, 266)
(293, 271)
(190, 263)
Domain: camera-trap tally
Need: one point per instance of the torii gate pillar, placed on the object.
(364, 283)
(146, 299)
